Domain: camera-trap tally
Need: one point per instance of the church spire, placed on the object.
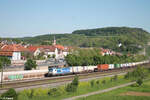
(54, 42)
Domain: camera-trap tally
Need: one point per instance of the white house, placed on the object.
(11, 51)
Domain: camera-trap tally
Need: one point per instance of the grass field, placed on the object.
(127, 93)
(132, 92)
(84, 87)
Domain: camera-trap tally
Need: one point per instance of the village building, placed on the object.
(49, 50)
(15, 51)
(108, 52)
(35, 50)
(11, 51)
(58, 50)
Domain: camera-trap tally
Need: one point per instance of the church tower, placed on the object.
(54, 41)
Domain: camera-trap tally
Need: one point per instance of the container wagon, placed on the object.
(101, 67)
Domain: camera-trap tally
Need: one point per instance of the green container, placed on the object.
(117, 65)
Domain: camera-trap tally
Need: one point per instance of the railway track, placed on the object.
(51, 80)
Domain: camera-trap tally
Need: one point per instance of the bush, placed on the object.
(20, 96)
(139, 81)
(136, 73)
(31, 94)
(103, 82)
(97, 82)
(72, 87)
(11, 93)
(115, 77)
(92, 83)
(134, 85)
(55, 92)
(75, 81)
(127, 76)
(40, 92)
(25, 92)
(111, 79)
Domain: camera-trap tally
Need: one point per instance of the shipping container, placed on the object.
(102, 67)
(130, 64)
(127, 64)
(91, 68)
(80, 69)
(74, 69)
(117, 65)
(121, 65)
(111, 66)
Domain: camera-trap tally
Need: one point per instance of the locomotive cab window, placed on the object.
(51, 70)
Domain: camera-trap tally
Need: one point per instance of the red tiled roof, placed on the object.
(10, 48)
(21, 48)
(13, 48)
(48, 49)
(6, 53)
(32, 48)
(59, 47)
(45, 48)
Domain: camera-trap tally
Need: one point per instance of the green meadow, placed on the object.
(60, 93)
(132, 92)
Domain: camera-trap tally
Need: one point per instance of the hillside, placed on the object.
(132, 39)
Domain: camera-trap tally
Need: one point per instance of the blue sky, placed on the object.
(19, 18)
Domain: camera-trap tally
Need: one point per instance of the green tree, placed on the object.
(55, 92)
(11, 93)
(40, 56)
(53, 56)
(0, 65)
(139, 81)
(27, 54)
(72, 87)
(92, 83)
(103, 82)
(140, 72)
(4, 61)
(48, 56)
(115, 77)
(97, 82)
(46, 43)
(111, 79)
(75, 82)
(30, 64)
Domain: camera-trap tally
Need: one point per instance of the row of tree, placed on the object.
(93, 57)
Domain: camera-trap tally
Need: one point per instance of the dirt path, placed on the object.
(100, 91)
(132, 93)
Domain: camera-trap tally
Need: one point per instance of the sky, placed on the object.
(20, 18)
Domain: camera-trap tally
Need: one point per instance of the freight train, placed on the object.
(100, 67)
(23, 75)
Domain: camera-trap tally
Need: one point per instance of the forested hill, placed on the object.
(111, 31)
(132, 39)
